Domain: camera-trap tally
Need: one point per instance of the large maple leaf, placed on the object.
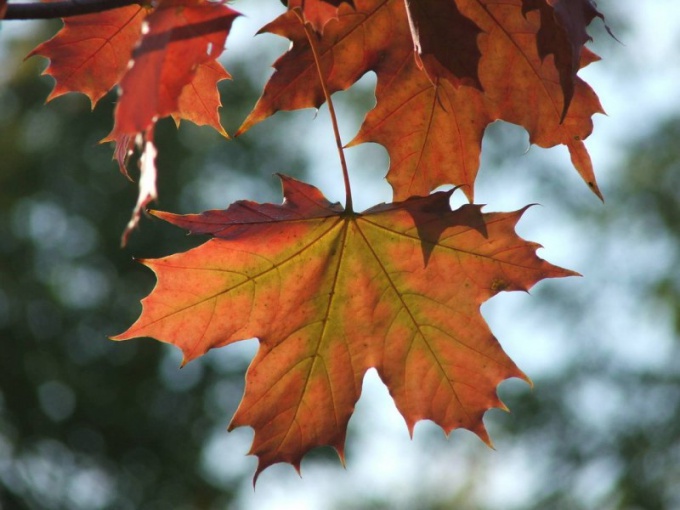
(476, 61)
(330, 294)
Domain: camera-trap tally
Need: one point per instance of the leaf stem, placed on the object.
(331, 109)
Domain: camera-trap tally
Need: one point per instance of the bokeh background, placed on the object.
(86, 423)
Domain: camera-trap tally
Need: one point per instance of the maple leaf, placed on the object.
(177, 38)
(90, 53)
(563, 33)
(163, 58)
(349, 47)
(420, 128)
(173, 72)
(444, 39)
(330, 294)
(432, 130)
(524, 88)
(482, 61)
(317, 12)
(200, 100)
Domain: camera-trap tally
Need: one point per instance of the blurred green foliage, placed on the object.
(86, 422)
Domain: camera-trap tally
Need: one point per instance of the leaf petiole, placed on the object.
(331, 110)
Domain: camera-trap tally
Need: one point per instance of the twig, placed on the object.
(65, 9)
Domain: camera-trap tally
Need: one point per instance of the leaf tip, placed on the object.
(340, 450)
(222, 132)
(519, 374)
(596, 189)
(256, 476)
(481, 432)
(125, 335)
(247, 124)
(157, 214)
(411, 427)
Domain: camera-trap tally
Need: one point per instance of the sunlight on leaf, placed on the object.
(330, 295)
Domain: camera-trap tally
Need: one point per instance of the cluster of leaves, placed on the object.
(330, 292)
(163, 58)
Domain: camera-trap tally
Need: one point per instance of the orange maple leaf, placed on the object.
(524, 88)
(477, 61)
(330, 294)
(350, 46)
(90, 53)
(432, 130)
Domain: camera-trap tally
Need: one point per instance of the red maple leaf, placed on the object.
(330, 294)
(164, 60)
(317, 12)
(173, 72)
(90, 53)
(445, 40)
(177, 38)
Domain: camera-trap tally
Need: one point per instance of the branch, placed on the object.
(64, 9)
